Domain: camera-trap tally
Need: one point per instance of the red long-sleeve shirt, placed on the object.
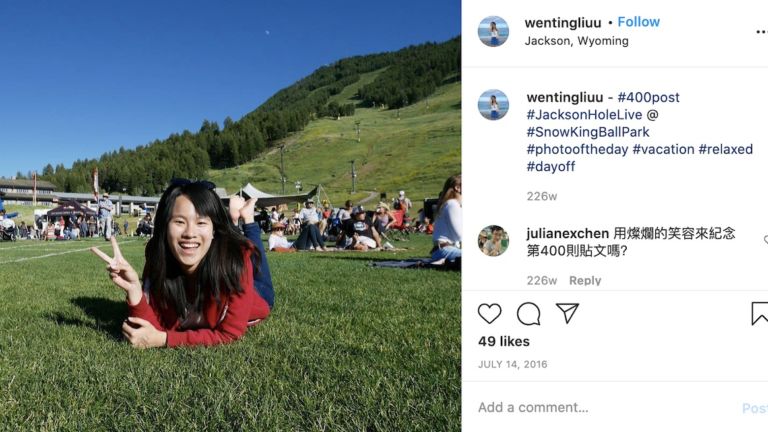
(238, 311)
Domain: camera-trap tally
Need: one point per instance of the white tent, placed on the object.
(268, 200)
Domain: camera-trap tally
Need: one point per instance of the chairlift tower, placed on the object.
(357, 128)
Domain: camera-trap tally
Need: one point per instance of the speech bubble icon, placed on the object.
(529, 314)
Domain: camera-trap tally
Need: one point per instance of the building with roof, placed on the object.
(24, 192)
(131, 204)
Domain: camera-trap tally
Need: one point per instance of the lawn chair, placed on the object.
(401, 229)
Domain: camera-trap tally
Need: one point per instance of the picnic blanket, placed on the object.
(420, 263)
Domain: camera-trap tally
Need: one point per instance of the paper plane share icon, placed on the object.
(568, 310)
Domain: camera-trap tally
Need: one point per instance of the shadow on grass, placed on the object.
(354, 258)
(107, 314)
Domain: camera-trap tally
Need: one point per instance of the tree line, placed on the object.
(415, 74)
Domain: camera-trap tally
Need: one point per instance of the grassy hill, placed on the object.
(416, 152)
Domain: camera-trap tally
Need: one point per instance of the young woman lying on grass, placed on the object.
(198, 283)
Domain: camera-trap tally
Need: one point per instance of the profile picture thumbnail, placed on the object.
(493, 104)
(493, 240)
(493, 31)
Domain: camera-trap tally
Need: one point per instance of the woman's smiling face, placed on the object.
(189, 234)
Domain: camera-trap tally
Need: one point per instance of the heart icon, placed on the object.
(489, 312)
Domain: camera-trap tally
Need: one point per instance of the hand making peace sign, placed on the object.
(121, 272)
(139, 332)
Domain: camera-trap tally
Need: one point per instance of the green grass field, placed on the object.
(347, 348)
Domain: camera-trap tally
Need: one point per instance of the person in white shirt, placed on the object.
(494, 34)
(492, 246)
(346, 212)
(448, 226)
(494, 108)
(309, 213)
(310, 236)
(277, 241)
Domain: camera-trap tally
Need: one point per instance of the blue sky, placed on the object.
(78, 78)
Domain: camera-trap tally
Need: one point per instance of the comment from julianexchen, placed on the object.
(625, 155)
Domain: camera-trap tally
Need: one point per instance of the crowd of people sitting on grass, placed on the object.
(353, 227)
(350, 227)
(309, 227)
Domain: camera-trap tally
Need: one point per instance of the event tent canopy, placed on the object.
(71, 208)
(267, 200)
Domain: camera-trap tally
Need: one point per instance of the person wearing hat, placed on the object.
(277, 241)
(309, 237)
(402, 202)
(383, 219)
(105, 215)
(308, 214)
(358, 232)
(481, 239)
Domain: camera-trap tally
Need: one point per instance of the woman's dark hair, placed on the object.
(449, 191)
(217, 275)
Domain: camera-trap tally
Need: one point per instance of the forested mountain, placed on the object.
(410, 75)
